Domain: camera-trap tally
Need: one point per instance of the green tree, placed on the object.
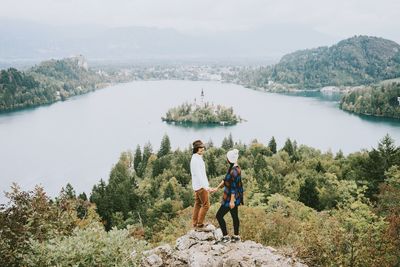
(160, 165)
(309, 194)
(102, 199)
(211, 165)
(165, 147)
(319, 167)
(227, 143)
(120, 194)
(379, 161)
(272, 145)
(137, 160)
(288, 147)
(147, 152)
(70, 191)
(169, 192)
(261, 172)
(83, 196)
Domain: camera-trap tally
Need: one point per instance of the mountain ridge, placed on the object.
(358, 60)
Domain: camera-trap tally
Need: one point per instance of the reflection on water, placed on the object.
(376, 120)
(199, 125)
(326, 96)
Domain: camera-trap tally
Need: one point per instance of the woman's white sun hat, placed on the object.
(232, 155)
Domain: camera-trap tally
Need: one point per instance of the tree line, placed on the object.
(46, 83)
(378, 100)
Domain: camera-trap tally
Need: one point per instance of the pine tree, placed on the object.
(165, 147)
(380, 160)
(83, 196)
(137, 159)
(288, 147)
(272, 145)
(147, 151)
(103, 203)
(159, 165)
(261, 171)
(69, 191)
(227, 143)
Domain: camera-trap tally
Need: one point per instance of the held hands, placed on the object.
(231, 204)
(212, 190)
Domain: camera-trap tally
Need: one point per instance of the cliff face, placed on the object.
(198, 249)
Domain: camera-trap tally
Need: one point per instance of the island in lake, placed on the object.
(201, 113)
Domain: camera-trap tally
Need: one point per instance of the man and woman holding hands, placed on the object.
(232, 196)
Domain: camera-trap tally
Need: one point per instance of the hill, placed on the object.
(358, 60)
(46, 83)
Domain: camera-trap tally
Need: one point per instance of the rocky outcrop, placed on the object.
(199, 249)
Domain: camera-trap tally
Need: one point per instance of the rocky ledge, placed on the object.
(198, 249)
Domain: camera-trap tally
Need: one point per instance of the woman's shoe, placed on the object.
(235, 238)
(223, 240)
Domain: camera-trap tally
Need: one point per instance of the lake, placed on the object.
(79, 140)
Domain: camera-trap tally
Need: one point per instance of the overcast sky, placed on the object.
(339, 18)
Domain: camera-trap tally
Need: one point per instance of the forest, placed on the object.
(328, 209)
(379, 100)
(46, 83)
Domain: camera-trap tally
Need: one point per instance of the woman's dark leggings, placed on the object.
(220, 217)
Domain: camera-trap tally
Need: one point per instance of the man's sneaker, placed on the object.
(235, 238)
(203, 228)
(223, 240)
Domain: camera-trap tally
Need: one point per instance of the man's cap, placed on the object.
(198, 144)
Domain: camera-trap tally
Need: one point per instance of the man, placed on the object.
(200, 186)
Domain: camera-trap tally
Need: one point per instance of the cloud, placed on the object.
(337, 18)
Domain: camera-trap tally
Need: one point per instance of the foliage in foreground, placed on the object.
(37, 231)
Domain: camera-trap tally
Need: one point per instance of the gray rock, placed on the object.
(185, 242)
(152, 261)
(218, 234)
(231, 263)
(202, 236)
(197, 249)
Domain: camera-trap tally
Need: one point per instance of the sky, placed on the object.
(338, 18)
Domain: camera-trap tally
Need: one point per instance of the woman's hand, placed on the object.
(231, 204)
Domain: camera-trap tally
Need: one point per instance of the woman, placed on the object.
(232, 197)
